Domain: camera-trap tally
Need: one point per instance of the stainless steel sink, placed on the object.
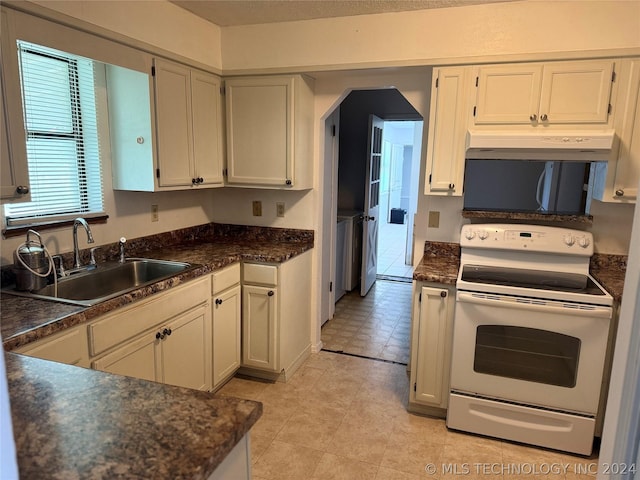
(108, 280)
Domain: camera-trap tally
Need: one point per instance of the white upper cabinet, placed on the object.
(188, 126)
(617, 181)
(554, 93)
(185, 149)
(270, 132)
(14, 169)
(450, 103)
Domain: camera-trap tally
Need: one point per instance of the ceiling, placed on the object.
(250, 12)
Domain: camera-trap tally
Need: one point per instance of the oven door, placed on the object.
(531, 351)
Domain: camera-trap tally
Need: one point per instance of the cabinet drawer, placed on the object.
(225, 278)
(130, 321)
(260, 273)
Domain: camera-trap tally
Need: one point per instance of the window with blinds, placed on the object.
(63, 144)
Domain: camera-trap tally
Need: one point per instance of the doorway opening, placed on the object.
(377, 163)
(401, 146)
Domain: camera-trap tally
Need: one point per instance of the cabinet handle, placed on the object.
(167, 331)
(160, 336)
(544, 117)
(218, 301)
(533, 117)
(619, 193)
(22, 190)
(270, 293)
(443, 293)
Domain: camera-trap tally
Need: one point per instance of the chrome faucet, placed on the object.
(76, 251)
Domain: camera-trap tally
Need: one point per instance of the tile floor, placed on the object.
(377, 325)
(391, 251)
(345, 417)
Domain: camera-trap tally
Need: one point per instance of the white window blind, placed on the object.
(63, 145)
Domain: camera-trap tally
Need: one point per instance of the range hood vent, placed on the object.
(584, 146)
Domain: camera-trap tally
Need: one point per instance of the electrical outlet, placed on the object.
(257, 208)
(434, 219)
(280, 209)
(154, 213)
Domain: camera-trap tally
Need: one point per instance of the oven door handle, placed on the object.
(534, 304)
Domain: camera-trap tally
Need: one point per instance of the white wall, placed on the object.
(435, 36)
(158, 23)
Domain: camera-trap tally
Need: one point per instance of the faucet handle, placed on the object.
(121, 244)
(61, 272)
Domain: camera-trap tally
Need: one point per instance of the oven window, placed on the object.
(527, 354)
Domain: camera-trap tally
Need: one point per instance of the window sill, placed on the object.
(18, 230)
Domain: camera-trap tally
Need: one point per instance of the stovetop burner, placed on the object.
(525, 278)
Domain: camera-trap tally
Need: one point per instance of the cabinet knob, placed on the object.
(533, 117)
(619, 193)
(200, 180)
(193, 181)
(218, 301)
(167, 331)
(452, 186)
(288, 182)
(140, 140)
(22, 190)
(270, 293)
(544, 117)
(443, 293)
(160, 336)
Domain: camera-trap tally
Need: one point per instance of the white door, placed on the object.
(371, 207)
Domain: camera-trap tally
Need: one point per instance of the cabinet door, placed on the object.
(173, 123)
(226, 334)
(186, 350)
(134, 359)
(432, 345)
(14, 169)
(259, 131)
(447, 129)
(508, 94)
(576, 92)
(207, 127)
(68, 347)
(627, 168)
(259, 327)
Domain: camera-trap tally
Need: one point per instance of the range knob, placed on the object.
(569, 240)
(583, 242)
(483, 234)
(469, 234)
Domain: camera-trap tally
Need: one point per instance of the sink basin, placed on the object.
(108, 280)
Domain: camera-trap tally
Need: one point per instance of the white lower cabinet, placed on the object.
(431, 340)
(166, 338)
(227, 312)
(68, 346)
(276, 317)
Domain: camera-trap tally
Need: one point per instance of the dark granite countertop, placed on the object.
(25, 320)
(441, 262)
(72, 422)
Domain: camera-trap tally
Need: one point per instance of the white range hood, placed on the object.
(559, 146)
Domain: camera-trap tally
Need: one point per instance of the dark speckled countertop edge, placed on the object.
(73, 422)
(206, 257)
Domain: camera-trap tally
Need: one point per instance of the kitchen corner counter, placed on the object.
(439, 264)
(610, 270)
(72, 422)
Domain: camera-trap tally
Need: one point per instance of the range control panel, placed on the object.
(535, 238)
